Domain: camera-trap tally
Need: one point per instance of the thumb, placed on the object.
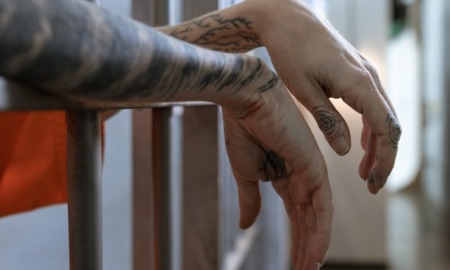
(249, 202)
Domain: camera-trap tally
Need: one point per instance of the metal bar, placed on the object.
(201, 231)
(17, 97)
(143, 192)
(84, 190)
(151, 167)
(152, 237)
(161, 182)
(201, 189)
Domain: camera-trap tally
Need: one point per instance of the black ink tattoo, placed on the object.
(394, 130)
(328, 122)
(77, 50)
(270, 84)
(218, 33)
(274, 166)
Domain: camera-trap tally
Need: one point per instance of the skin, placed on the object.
(316, 64)
(78, 51)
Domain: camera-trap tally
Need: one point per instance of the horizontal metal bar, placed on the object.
(17, 97)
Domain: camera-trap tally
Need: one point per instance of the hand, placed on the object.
(316, 63)
(270, 140)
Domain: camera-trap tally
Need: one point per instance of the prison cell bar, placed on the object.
(84, 164)
(151, 199)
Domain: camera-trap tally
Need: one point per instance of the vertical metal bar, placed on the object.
(176, 186)
(143, 192)
(151, 167)
(84, 164)
(161, 182)
(143, 220)
(201, 189)
(152, 237)
(201, 232)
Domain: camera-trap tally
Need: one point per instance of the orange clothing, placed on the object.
(32, 160)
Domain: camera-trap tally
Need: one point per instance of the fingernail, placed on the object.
(341, 146)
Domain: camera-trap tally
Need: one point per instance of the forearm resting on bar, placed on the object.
(80, 51)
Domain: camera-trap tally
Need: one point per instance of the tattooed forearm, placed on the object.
(78, 50)
(270, 84)
(217, 32)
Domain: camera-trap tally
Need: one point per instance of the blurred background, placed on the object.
(406, 227)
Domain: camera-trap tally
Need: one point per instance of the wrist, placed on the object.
(273, 16)
(256, 80)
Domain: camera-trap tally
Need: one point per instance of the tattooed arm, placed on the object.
(227, 30)
(316, 63)
(79, 51)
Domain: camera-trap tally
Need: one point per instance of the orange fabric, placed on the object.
(32, 160)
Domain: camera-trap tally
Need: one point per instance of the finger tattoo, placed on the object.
(394, 130)
(327, 120)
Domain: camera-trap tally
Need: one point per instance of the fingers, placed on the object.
(383, 166)
(249, 202)
(329, 120)
(368, 159)
(386, 153)
(365, 134)
(311, 229)
(372, 70)
(292, 213)
(319, 225)
(274, 142)
(365, 97)
(307, 198)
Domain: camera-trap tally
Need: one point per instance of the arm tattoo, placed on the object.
(270, 84)
(215, 32)
(75, 49)
(394, 130)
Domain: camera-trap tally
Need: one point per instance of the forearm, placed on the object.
(80, 51)
(229, 30)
